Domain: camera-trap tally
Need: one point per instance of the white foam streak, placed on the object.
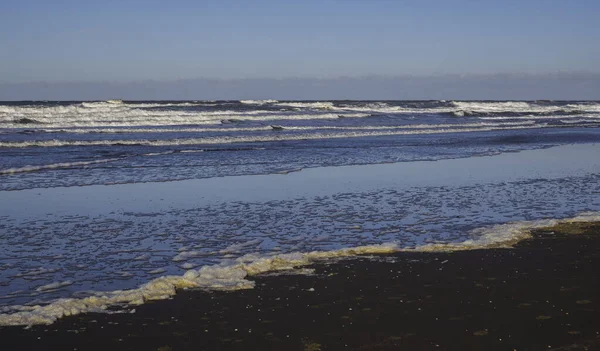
(54, 286)
(78, 117)
(142, 114)
(100, 114)
(55, 166)
(258, 102)
(233, 276)
(522, 107)
(319, 105)
(593, 118)
(494, 106)
(466, 108)
(579, 121)
(259, 138)
(270, 128)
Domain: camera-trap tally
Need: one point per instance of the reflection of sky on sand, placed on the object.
(110, 237)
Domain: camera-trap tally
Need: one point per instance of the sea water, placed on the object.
(105, 203)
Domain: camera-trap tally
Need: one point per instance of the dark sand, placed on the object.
(541, 295)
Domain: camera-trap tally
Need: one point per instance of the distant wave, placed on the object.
(258, 102)
(591, 117)
(103, 113)
(259, 138)
(519, 107)
(117, 104)
(319, 105)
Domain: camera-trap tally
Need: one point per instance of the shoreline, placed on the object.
(540, 294)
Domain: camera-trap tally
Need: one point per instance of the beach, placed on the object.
(306, 176)
(542, 294)
(311, 176)
(286, 225)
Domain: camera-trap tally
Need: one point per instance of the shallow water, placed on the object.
(114, 237)
(63, 239)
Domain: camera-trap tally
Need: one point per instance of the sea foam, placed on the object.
(234, 275)
(265, 138)
(55, 166)
(125, 114)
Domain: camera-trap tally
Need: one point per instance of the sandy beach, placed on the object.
(539, 295)
(299, 176)
(407, 252)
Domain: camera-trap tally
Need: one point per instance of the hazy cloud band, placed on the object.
(565, 86)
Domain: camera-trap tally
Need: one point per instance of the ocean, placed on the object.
(115, 203)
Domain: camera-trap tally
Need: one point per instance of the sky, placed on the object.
(54, 42)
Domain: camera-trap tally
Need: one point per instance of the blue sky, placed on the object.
(121, 41)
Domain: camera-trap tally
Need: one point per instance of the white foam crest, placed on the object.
(124, 115)
(93, 130)
(121, 104)
(233, 275)
(578, 120)
(269, 128)
(96, 104)
(105, 103)
(93, 108)
(258, 102)
(458, 108)
(469, 107)
(417, 126)
(258, 138)
(102, 110)
(493, 106)
(383, 108)
(582, 107)
(318, 105)
(55, 166)
(538, 117)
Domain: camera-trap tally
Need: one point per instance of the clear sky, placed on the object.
(132, 40)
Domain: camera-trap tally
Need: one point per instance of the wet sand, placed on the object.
(543, 294)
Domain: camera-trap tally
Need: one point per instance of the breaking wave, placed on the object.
(121, 113)
(520, 108)
(260, 138)
(258, 102)
(318, 105)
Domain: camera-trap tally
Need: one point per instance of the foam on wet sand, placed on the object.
(233, 275)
